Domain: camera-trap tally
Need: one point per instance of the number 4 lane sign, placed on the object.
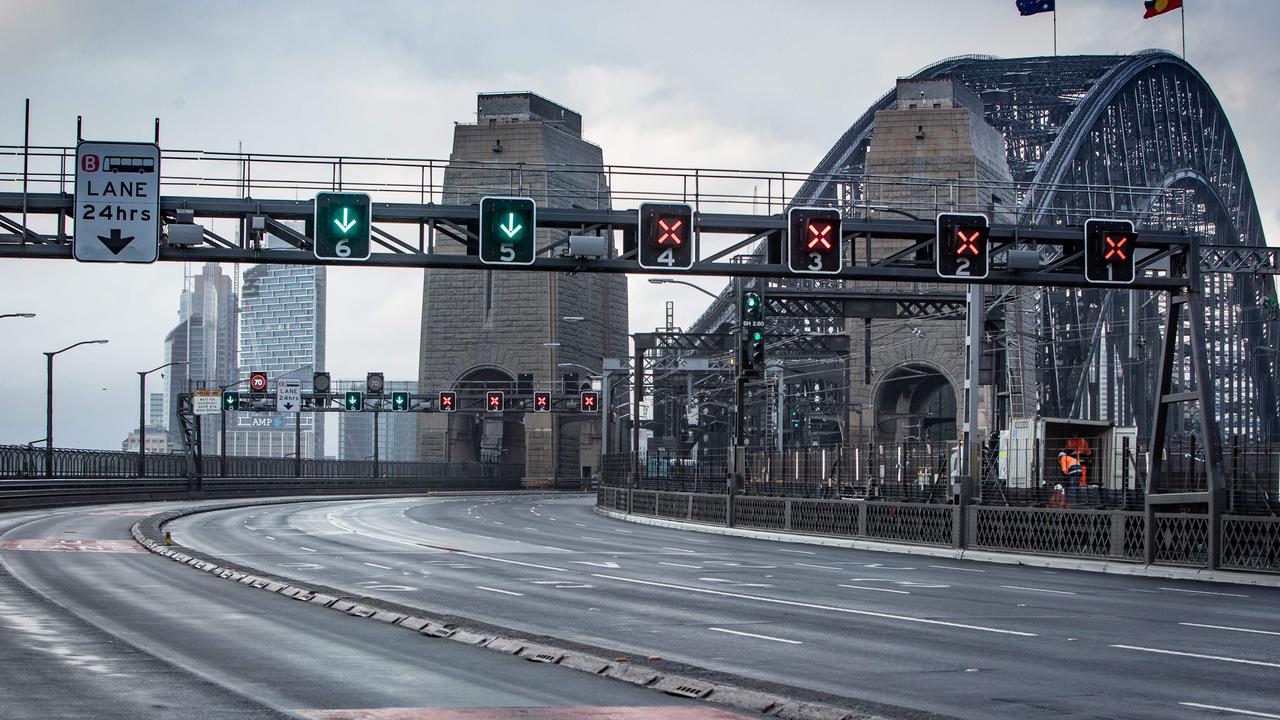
(117, 202)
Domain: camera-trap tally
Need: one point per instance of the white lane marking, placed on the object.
(1237, 711)
(1241, 661)
(1055, 592)
(495, 522)
(948, 567)
(579, 525)
(1236, 629)
(691, 552)
(814, 606)
(864, 587)
(695, 567)
(753, 635)
(703, 542)
(384, 567)
(1204, 592)
(411, 543)
(306, 548)
(504, 592)
(820, 567)
(268, 537)
(604, 564)
(797, 552)
(588, 537)
(526, 527)
(627, 532)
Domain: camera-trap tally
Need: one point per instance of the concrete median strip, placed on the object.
(149, 534)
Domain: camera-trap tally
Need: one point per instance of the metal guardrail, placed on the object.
(22, 461)
(1249, 542)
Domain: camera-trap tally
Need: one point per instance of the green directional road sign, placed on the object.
(507, 229)
(399, 401)
(342, 223)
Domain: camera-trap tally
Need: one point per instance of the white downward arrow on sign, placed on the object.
(606, 564)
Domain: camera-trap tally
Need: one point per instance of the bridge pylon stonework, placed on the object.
(502, 325)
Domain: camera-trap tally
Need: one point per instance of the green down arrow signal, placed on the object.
(347, 222)
(510, 227)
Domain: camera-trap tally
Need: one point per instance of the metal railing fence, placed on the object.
(23, 461)
(1249, 542)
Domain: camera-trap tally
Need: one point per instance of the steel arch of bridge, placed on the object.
(1076, 127)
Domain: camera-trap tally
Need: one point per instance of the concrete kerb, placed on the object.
(673, 678)
(1163, 572)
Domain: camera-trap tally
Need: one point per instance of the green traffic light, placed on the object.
(399, 401)
(757, 336)
(752, 301)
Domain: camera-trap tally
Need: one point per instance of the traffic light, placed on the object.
(589, 401)
(373, 383)
(1109, 252)
(796, 421)
(666, 236)
(495, 401)
(320, 383)
(752, 333)
(342, 222)
(813, 240)
(448, 401)
(507, 230)
(542, 402)
(257, 382)
(230, 401)
(963, 246)
(399, 401)
(353, 401)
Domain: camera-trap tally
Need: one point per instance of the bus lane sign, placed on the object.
(117, 212)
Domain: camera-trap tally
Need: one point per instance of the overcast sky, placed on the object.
(735, 84)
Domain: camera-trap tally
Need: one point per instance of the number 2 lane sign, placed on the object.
(117, 202)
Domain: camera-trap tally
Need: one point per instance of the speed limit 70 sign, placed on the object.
(342, 222)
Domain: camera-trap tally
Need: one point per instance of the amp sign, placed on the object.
(117, 213)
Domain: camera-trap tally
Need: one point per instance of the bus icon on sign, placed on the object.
(119, 164)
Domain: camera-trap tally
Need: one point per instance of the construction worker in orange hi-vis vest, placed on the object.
(1079, 447)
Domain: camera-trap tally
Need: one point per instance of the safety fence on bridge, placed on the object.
(1249, 542)
(22, 461)
(1012, 475)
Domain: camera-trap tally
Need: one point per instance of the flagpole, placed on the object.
(1055, 32)
(1182, 13)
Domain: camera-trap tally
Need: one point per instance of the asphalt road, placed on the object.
(954, 637)
(92, 626)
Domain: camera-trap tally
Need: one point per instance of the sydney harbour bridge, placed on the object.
(1139, 136)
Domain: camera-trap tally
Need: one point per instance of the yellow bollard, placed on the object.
(168, 539)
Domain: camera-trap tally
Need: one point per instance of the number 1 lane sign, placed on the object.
(117, 202)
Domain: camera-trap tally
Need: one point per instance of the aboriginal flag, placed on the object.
(1034, 7)
(1160, 7)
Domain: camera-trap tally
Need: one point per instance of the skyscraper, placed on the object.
(396, 430)
(203, 344)
(282, 333)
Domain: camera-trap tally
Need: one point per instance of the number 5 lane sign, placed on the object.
(117, 202)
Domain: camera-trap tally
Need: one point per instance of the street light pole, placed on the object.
(142, 414)
(670, 281)
(48, 399)
(17, 315)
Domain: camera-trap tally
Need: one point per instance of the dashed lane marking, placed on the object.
(496, 590)
(1237, 711)
(1241, 661)
(753, 635)
(1233, 629)
(1203, 592)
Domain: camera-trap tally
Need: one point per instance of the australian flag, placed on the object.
(1034, 7)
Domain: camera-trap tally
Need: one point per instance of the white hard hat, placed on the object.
(1058, 486)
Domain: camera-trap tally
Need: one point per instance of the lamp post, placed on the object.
(686, 283)
(18, 315)
(142, 414)
(48, 409)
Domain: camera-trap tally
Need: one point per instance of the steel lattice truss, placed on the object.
(1076, 128)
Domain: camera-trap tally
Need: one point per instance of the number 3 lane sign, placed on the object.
(117, 202)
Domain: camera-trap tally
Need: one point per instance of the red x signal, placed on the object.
(493, 401)
(817, 236)
(670, 231)
(588, 401)
(542, 402)
(448, 402)
(969, 243)
(1115, 248)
